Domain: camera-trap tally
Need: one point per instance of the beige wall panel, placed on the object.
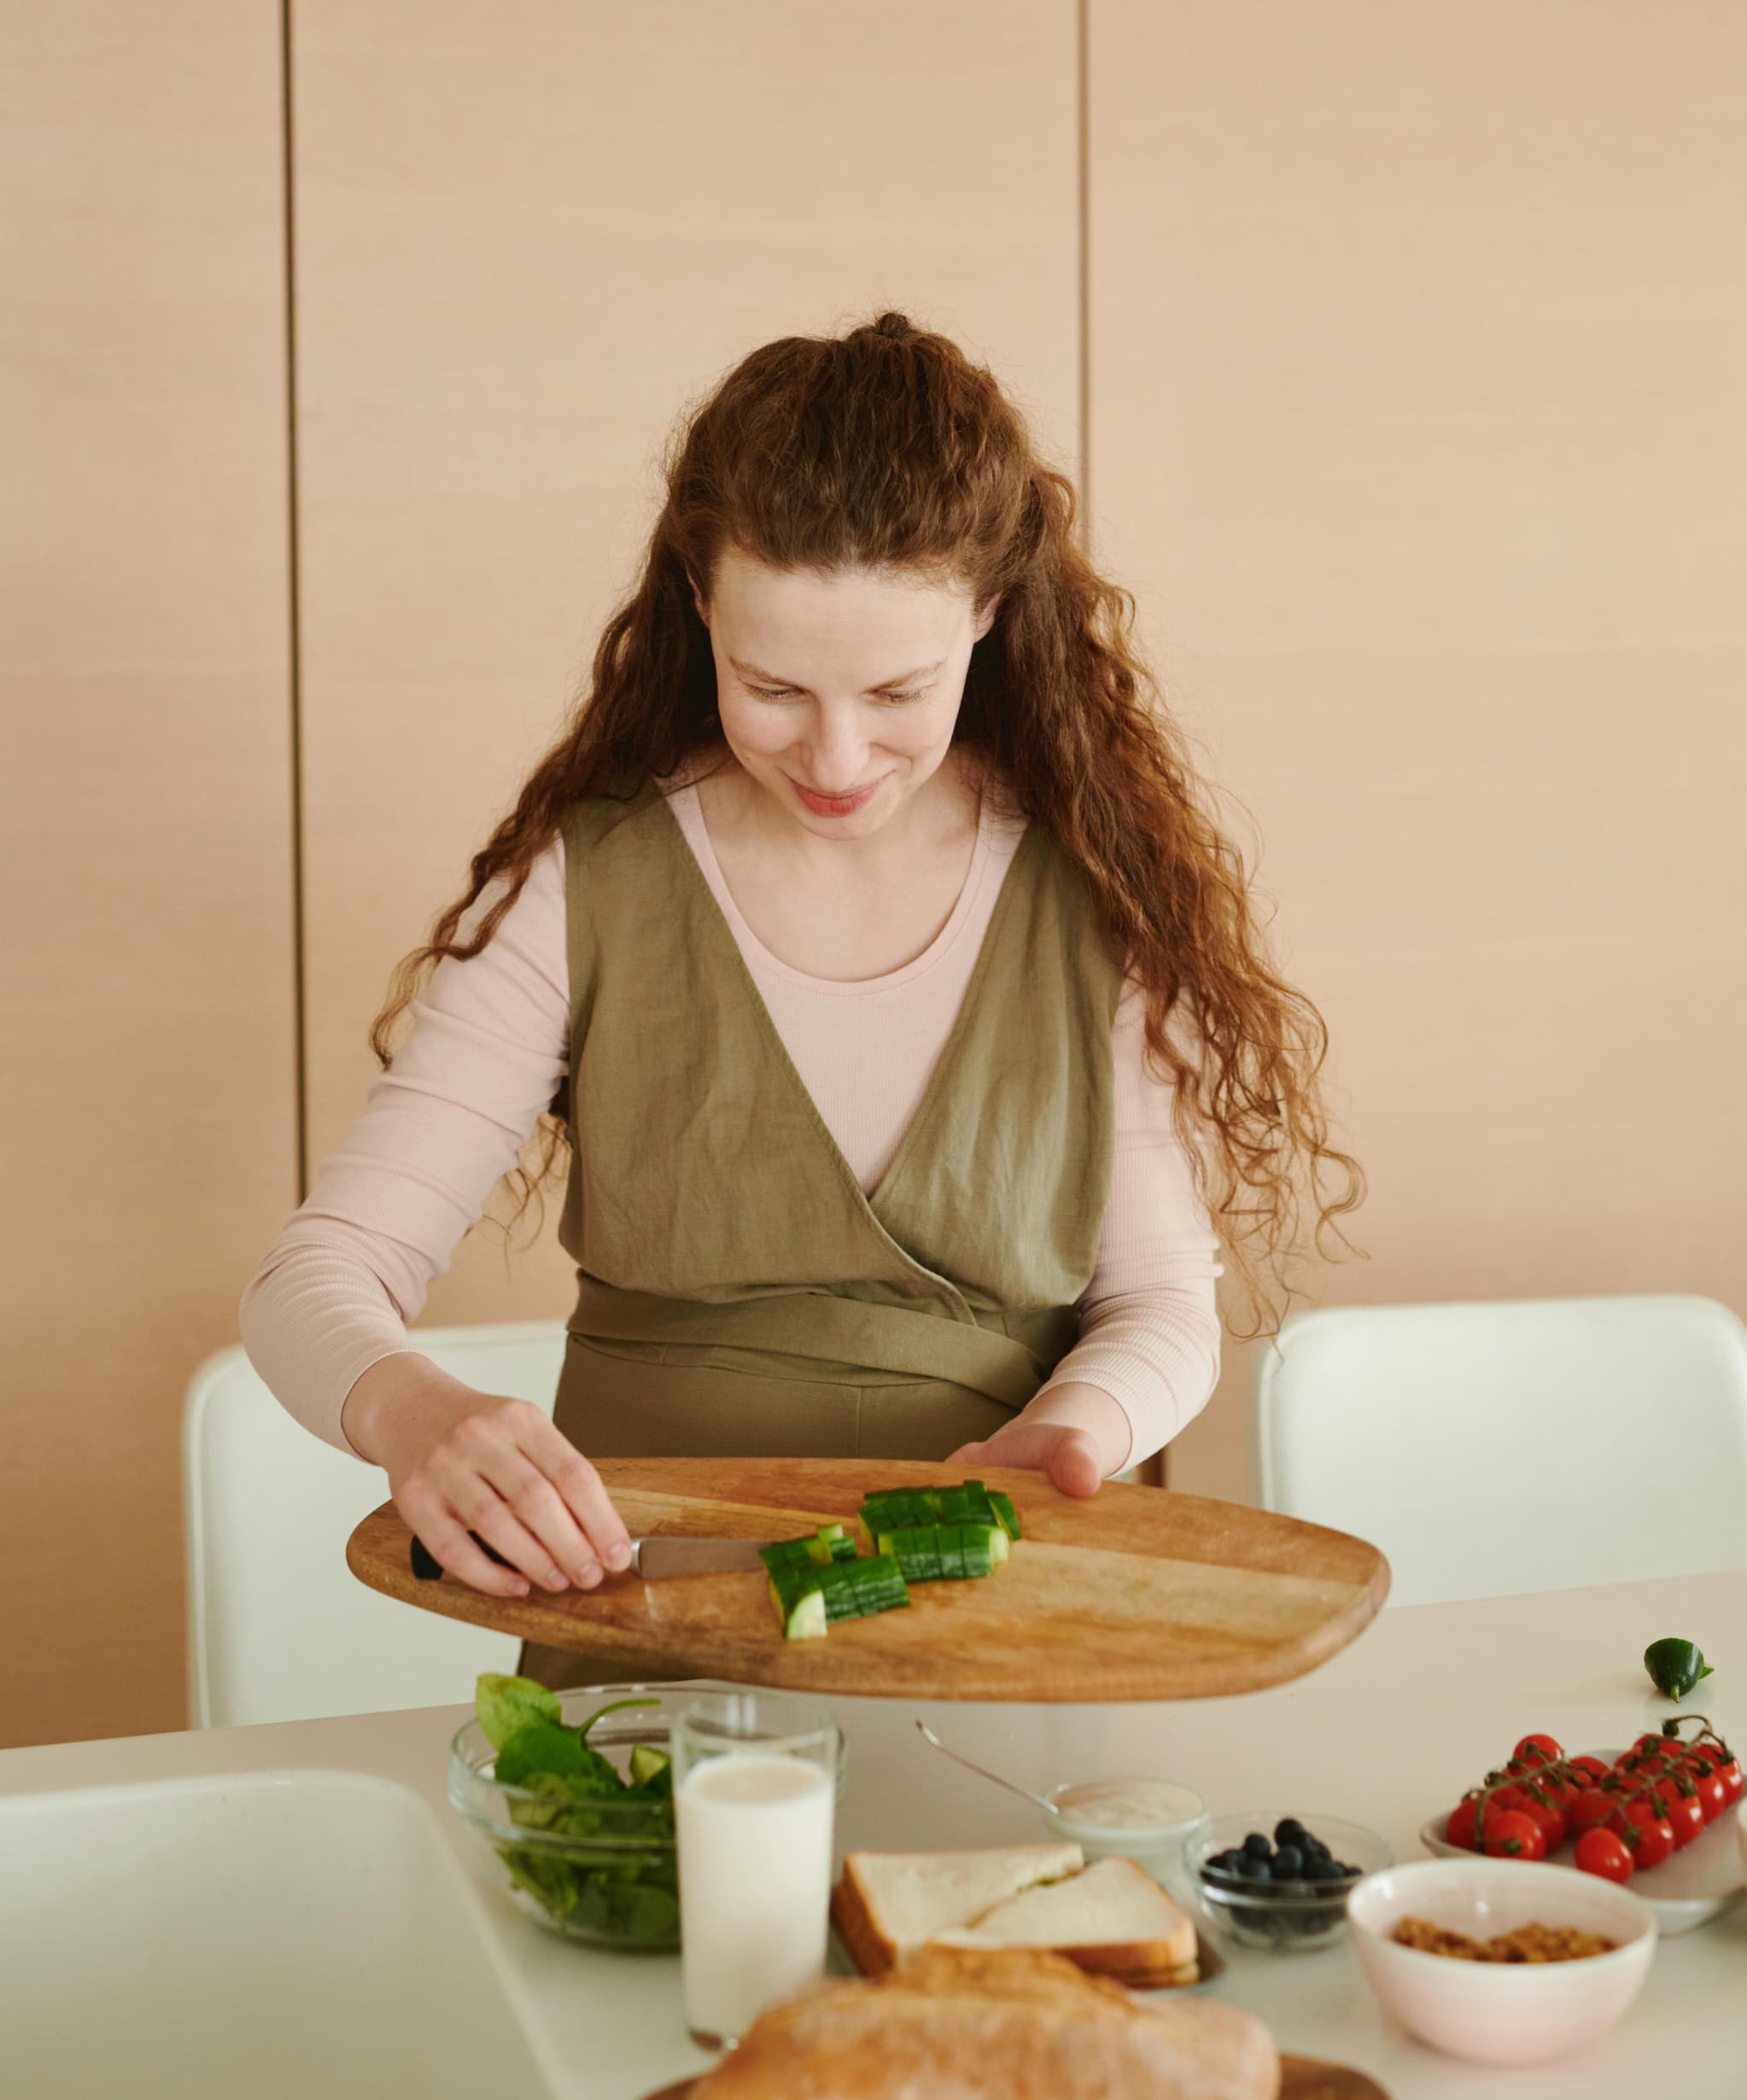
(528, 234)
(148, 1059)
(1418, 343)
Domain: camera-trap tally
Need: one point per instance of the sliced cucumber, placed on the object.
(928, 1553)
(806, 1618)
(856, 1588)
(646, 1761)
(800, 1606)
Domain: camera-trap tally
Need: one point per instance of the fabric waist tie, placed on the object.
(822, 1327)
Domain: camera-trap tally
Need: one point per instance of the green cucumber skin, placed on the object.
(943, 1552)
(897, 1509)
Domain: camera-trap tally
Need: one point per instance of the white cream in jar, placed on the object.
(1145, 1820)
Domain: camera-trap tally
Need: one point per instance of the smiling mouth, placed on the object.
(851, 801)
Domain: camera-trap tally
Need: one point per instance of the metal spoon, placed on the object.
(1023, 1792)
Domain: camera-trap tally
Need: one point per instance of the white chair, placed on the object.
(279, 1629)
(1493, 1449)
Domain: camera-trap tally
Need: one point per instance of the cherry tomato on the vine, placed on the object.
(1513, 1835)
(1543, 1748)
(1592, 1768)
(1599, 1851)
(1533, 1800)
(1684, 1809)
(1656, 1841)
(1713, 1795)
(1590, 1809)
(1462, 1829)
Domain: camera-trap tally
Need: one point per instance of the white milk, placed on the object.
(755, 1883)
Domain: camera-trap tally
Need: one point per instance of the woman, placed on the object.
(898, 1004)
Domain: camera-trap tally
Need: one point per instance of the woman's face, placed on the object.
(839, 694)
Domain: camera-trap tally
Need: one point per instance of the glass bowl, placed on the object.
(1178, 1816)
(603, 1870)
(1282, 1917)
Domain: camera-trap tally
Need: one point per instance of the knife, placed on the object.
(650, 1558)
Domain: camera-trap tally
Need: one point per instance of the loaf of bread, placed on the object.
(1010, 2023)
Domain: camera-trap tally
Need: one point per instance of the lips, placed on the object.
(834, 805)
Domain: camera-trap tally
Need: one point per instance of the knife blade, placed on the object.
(653, 1558)
(650, 1558)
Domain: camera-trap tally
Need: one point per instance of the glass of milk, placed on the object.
(755, 1795)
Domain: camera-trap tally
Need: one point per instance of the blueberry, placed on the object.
(1258, 1870)
(1312, 1848)
(1289, 1831)
(1288, 1863)
(1257, 1846)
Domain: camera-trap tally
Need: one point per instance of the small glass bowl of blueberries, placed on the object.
(1285, 1892)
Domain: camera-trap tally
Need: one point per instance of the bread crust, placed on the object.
(867, 1947)
(1013, 2023)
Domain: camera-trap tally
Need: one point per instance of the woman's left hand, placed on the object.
(1068, 1455)
(1076, 1434)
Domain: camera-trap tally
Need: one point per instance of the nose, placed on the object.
(837, 760)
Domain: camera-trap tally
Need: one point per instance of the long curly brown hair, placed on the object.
(887, 448)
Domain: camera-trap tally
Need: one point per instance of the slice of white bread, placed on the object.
(1114, 1918)
(889, 1904)
(1007, 2023)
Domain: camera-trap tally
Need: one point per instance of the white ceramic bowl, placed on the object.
(1158, 1846)
(1500, 2012)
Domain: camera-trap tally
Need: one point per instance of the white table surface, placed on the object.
(1396, 1727)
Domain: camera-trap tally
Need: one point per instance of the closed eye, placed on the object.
(787, 692)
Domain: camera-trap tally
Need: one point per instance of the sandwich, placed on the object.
(1001, 2023)
(1112, 1918)
(888, 1905)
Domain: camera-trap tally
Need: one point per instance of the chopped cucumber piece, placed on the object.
(855, 1589)
(929, 1553)
(805, 1620)
(646, 1761)
(831, 1541)
(800, 1607)
(901, 1509)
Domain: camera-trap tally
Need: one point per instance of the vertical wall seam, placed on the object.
(1083, 182)
(294, 583)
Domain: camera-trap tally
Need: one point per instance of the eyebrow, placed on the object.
(765, 678)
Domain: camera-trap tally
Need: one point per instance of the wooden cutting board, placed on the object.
(1132, 1593)
(1301, 2078)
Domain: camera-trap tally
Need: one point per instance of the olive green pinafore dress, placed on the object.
(737, 1294)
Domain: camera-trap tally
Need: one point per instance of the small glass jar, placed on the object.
(1149, 1821)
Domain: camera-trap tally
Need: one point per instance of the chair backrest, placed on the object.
(279, 1628)
(1494, 1449)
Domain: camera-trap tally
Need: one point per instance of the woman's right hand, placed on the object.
(461, 1460)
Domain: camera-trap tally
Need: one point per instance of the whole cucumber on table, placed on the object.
(1675, 1666)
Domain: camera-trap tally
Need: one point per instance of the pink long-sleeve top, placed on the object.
(490, 1043)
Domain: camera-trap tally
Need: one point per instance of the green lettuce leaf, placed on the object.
(505, 1704)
